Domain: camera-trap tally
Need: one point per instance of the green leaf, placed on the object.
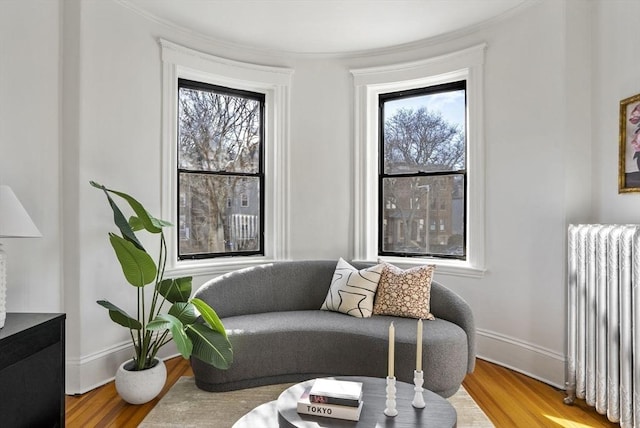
(176, 290)
(169, 322)
(138, 267)
(185, 312)
(119, 316)
(119, 218)
(210, 346)
(209, 315)
(151, 224)
(135, 223)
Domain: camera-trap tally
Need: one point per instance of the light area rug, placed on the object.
(186, 406)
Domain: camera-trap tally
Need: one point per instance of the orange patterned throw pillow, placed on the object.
(404, 293)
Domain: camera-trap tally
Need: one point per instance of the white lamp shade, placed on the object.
(14, 220)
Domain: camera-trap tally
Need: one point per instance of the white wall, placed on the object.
(540, 166)
(615, 77)
(29, 145)
(321, 160)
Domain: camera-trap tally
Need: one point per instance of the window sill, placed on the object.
(216, 267)
(443, 267)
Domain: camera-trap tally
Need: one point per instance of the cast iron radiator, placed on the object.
(603, 362)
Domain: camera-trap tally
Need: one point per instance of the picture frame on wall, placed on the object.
(629, 161)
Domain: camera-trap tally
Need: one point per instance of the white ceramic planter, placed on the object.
(138, 387)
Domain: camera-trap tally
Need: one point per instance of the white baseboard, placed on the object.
(543, 364)
(94, 370)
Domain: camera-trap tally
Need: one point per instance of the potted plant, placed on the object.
(152, 327)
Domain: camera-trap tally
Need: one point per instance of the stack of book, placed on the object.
(332, 398)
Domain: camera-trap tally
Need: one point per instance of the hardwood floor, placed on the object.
(102, 407)
(508, 398)
(511, 399)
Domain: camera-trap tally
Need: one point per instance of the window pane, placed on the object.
(219, 214)
(425, 133)
(423, 215)
(218, 132)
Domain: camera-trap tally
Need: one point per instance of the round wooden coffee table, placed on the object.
(437, 413)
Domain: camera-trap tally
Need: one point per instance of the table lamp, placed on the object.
(14, 223)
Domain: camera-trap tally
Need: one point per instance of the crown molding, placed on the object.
(286, 54)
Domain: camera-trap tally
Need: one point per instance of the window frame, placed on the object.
(260, 98)
(275, 82)
(382, 175)
(369, 83)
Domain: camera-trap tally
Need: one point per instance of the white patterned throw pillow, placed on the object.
(353, 291)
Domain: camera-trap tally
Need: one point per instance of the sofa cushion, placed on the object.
(404, 293)
(298, 345)
(352, 291)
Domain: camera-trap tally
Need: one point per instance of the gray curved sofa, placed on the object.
(279, 334)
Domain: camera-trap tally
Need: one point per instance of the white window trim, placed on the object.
(275, 83)
(369, 83)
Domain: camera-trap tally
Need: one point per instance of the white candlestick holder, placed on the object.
(418, 380)
(391, 410)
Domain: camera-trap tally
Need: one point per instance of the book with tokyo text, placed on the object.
(336, 411)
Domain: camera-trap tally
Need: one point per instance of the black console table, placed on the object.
(32, 370)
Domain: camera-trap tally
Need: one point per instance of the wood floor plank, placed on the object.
(509, 399)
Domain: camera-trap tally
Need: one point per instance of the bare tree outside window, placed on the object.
(423, 172)
(220, 171)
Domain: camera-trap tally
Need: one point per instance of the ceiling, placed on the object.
(323, 26)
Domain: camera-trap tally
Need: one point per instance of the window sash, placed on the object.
(423, 208)
(246, 223)
(408, 218)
